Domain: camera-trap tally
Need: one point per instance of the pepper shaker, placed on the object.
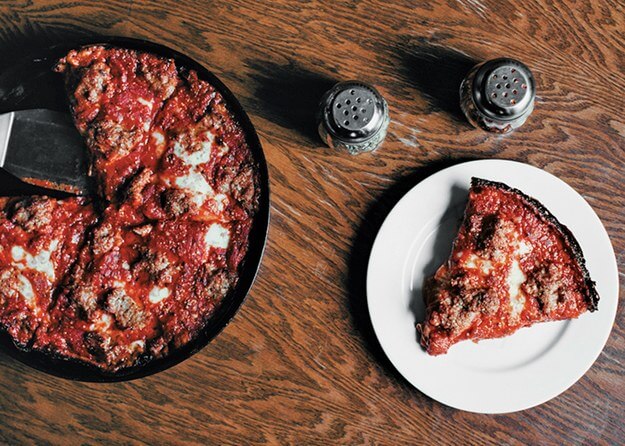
(498, 95)
(353, 116)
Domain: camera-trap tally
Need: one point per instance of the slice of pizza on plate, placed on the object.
(512, 264)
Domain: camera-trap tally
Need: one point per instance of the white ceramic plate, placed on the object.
(493, 376)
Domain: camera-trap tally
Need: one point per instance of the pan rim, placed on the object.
(73, 369)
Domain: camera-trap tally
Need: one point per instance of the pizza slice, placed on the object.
(145, 124)
(115, 95)
(513, 264)
(40, 238)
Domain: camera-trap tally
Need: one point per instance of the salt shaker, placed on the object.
(353, 116)
(498, 95)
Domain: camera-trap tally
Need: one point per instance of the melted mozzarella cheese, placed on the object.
(524, 248)
(486, 267)
(514, 281)
(18, 253)
(158, 294)
(198, 199)
(551, 292)
(21, 285)
(119, 284)
(25, 288)
(517, 304)
(148, 104)
(217, 236)
(476, 262)
(40, 262)
(200, 191)
(194, 182)
(220, 200)
(102, 323)
(197, 157)
(158, 137)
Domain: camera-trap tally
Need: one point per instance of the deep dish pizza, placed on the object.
(137, 271)
(512, 265)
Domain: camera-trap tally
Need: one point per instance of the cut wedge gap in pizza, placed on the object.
(513, 264)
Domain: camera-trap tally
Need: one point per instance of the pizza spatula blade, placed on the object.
(42, 147)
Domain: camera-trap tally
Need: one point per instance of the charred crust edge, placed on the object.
(592, 296)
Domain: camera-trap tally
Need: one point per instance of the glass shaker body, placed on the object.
(353, 117)
(498, 95)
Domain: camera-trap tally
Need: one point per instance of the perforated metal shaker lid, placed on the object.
(354, 111)
(504, 89)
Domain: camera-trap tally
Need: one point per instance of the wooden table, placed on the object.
(300, 364)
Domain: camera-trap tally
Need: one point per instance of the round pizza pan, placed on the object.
(31, 83)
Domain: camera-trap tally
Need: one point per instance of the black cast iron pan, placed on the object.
(30, 83)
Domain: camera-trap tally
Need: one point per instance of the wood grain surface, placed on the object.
(300, 364)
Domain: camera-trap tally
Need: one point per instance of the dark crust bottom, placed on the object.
(578, 255)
